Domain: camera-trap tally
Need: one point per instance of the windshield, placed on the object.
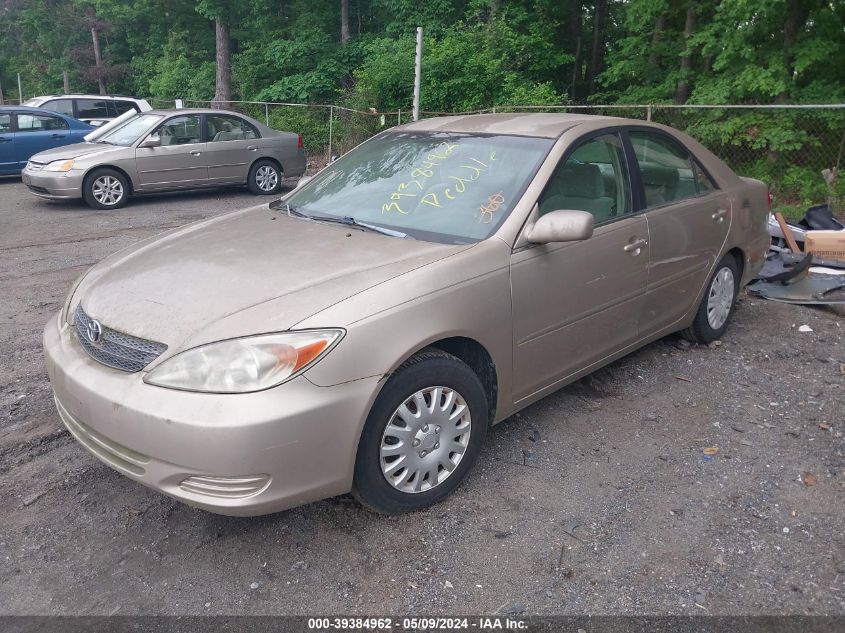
(435, 186)
(129, 131)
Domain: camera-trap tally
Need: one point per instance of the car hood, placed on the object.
(249, 272)
(76, 150)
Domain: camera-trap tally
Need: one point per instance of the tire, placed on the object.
(265, 178)
(429, 374)
(105, 189)
(717, 304)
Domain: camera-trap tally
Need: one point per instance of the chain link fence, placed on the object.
(796, 149)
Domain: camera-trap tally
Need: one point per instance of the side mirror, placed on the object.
(151, 141)
(561, 226)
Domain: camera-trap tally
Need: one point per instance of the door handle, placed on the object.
(57, 135)
(634, 246)
(195, 153)
(719, 215)
(252, 148)
(4, 140)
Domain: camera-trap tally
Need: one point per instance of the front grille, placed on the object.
(116, 349)
(225, 487)
(31, 166)
(35, 189)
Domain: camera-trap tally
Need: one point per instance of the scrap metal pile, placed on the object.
(806, 262)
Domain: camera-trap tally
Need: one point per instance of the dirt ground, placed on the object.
(599, 499)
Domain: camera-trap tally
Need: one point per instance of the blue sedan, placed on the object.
(26, 131)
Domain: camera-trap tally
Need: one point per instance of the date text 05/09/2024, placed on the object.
(416, 624)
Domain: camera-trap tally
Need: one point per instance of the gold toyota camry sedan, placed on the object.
(363, 333)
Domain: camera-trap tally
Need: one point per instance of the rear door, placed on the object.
(8, 160)
(37, 132)
(180, 161)
(576, 303)
(688, 222)
(232, 148)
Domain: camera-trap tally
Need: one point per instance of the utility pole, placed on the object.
(418, 73)
(65, 82)
(20, 92)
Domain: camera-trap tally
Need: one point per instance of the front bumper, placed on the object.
(53, 185)
(246, 454)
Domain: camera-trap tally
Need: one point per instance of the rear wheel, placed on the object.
(422, 436)
(265, 178)
(716, 307)
(105, 189)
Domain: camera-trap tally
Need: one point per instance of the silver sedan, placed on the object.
(165, 150)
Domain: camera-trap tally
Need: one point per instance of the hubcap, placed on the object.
(107, 190)
(425, 439)
(721, 298)
(266, 178)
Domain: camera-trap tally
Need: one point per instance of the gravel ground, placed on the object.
(599, 499)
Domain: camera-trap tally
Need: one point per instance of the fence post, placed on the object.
(399, 117)
(20, 91)
(648, 113)
(331, 121)
(267, 114)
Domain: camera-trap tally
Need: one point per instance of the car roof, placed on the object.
(541, 124)
(87, 96)
(23, 108)
(169, 111)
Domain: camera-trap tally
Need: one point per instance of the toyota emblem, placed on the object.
(94, 331)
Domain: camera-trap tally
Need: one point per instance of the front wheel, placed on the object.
(265, 178)
(422, 436)
(105, 189)
(716, 307)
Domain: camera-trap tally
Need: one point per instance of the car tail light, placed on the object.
(299, 141)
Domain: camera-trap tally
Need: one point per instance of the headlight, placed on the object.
(245, 364)
(64, 316)
(59, 165)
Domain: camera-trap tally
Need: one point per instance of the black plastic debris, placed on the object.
(780, 266)
(810, 289)
(820, 218)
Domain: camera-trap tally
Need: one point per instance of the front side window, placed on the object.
(666, 168)
(180, 130)
(593, 178)
(62, 106)
(40, 123)
(442, 187)
(130, 130)
(229, 128)
(91, 109)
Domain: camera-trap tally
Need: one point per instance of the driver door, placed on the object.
(180, 160)
(576, 303)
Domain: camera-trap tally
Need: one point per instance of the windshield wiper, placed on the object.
(347, 220)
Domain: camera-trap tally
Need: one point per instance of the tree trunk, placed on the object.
(344, 21)
(223, 89)
(65, 82)
(576, 25)
(796, 18)
(597, 56)
(657, 35)
(682, 89)
(98, 60)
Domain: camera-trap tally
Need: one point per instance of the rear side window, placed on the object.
(91, 109)
(62, 106)
(5, 123)
(229, 128)
(666, 169)
(40, 123)
(121, 106)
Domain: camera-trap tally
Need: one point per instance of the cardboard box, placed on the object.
(826, 244)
